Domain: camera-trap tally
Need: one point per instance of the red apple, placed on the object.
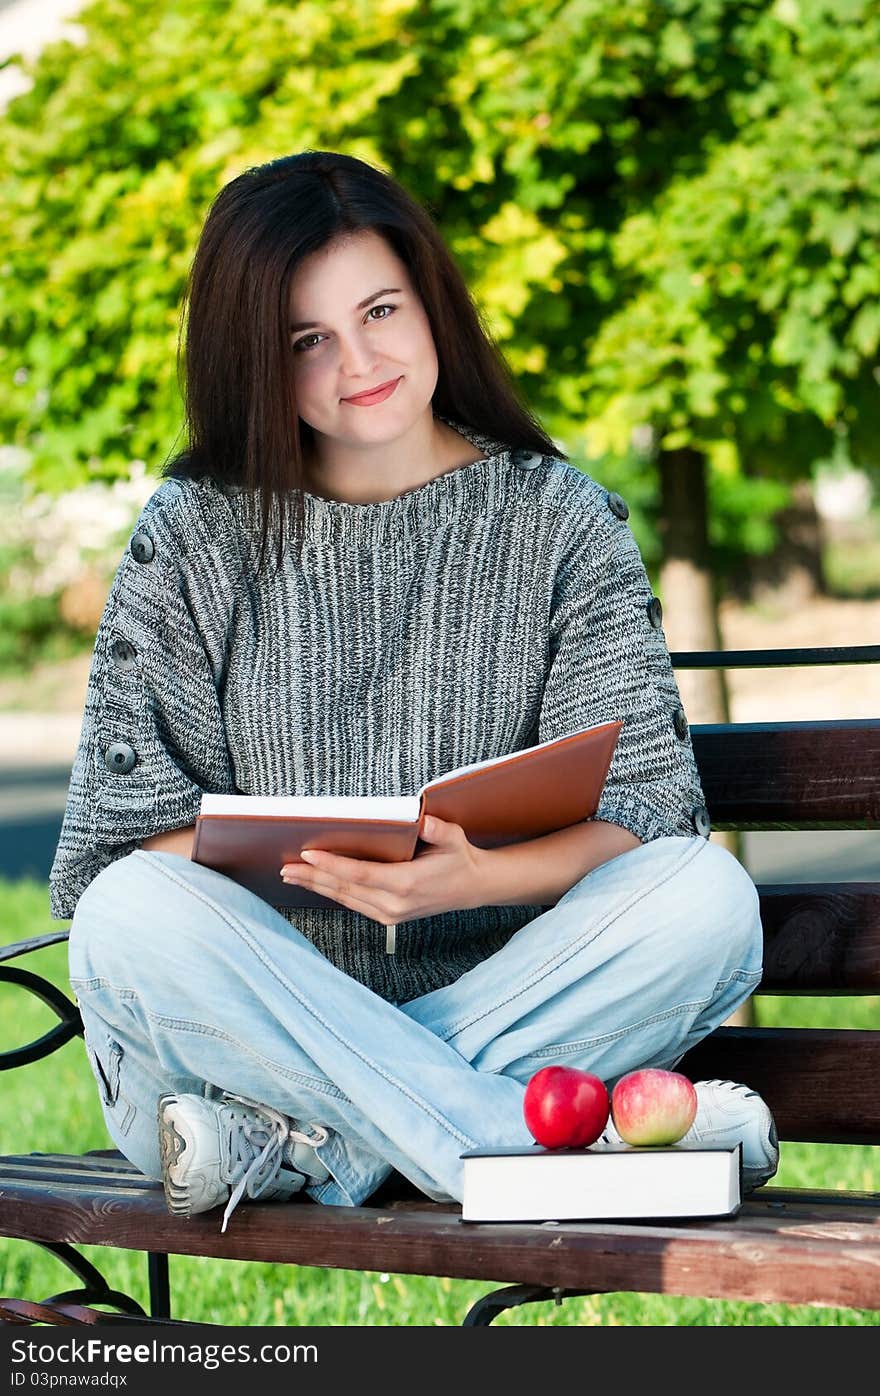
(652, 1106)
(564, 1107)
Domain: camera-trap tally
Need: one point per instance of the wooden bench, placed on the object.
(784, 1246)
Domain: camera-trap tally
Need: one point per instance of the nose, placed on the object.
(357, 360)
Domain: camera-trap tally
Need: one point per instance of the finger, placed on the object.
(341, 889)
(354, 870)
(436, 830)
(318, 881)
(343, 893)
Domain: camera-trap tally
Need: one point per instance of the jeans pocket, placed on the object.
(105, 1064)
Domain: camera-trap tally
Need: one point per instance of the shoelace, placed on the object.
(257, 1147)
(735, 1085)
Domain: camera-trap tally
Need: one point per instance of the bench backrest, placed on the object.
(820, 938)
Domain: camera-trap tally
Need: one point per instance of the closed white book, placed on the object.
(601, 1184)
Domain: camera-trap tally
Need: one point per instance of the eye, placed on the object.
(301, 344)
(303, 347)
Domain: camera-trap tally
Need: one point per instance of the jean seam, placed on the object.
(574, 947)
(241, 931)
(583, 1044)
(327, 1187)
(98, 982)
(619, 1033)
(109, 1083)
(318, 1084)
(744, 976)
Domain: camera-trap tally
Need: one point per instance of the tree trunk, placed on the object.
(690, 612)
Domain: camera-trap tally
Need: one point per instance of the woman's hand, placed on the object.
(448, 876)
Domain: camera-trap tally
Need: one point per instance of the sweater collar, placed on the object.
(463, 493)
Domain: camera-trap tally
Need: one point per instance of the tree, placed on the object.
(667, 210)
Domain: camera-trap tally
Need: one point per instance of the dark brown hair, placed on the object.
(236, 371)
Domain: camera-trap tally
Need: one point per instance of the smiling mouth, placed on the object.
(374, 395)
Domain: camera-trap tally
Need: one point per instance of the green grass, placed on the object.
(52, 1106)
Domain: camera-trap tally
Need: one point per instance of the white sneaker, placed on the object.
(215, 1151)
(728, 1112)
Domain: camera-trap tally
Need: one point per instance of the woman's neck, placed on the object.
(356, 482)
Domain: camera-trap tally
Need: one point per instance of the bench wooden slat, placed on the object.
(106, 1163)
(763, 775)
(821, 938)
(821, 1084)
(783, 1254)
(81, 1169)
(36, 1177)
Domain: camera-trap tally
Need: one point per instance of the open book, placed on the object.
(623, 1183)
(504, 799)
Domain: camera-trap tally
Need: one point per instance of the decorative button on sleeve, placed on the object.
(123, 654)
(655, 612)
(680, 723)
(702, 822)
(119, 758)
(141, 547)
(526, 460)
(618, 505)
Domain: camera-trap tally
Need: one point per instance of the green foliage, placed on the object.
(668, 211)
(753, 275)
(31, 630)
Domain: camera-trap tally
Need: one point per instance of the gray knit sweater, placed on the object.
(491, 608)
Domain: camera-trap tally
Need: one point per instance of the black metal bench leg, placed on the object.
(95, 1288)
(160, 1285)
(481, 1314)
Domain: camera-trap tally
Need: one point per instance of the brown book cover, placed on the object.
(504, 799)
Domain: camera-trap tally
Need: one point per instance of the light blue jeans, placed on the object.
(189, 982)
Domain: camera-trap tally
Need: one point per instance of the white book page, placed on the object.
(664, 1182)
(398, 808)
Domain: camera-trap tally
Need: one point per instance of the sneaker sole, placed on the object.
(756, 1174)
(175, 1197)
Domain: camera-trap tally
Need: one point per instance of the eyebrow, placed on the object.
(361, 305)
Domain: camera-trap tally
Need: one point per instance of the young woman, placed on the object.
(446, 587)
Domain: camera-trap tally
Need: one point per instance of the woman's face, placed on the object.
(342, 347)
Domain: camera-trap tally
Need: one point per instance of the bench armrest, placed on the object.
(24, 947)
(69, 1021)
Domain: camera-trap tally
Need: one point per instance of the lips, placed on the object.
(378, 394)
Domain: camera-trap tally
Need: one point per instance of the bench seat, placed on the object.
(784, 1246)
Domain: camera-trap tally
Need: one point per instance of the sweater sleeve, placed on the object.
(609, 661)
(152, 736)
